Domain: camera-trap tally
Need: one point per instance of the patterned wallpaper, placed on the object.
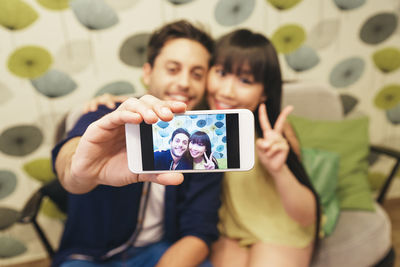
(55, 54)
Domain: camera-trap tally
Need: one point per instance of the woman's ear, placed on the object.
(147, 69)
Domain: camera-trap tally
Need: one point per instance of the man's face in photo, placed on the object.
(179, 72)
(179, 144)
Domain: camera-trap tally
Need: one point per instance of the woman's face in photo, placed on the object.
(231, 91)
(196, 150)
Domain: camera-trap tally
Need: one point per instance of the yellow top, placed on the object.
(199, 166)
(252, 211)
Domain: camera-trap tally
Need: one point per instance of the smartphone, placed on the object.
(194, 141)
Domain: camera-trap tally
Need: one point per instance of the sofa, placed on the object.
(360, 237)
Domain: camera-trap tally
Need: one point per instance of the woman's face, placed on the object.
(196, 150)
(229, 91)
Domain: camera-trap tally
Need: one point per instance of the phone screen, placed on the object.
(190, 142)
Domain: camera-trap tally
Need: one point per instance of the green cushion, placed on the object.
(322, 167)
(349, 139)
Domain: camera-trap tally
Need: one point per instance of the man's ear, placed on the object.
(147, 69)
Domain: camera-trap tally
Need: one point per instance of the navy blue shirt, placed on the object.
(106, 217)
(163, 161)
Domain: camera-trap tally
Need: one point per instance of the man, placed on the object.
(112, 216)
(174, 158)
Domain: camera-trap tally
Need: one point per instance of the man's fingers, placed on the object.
(282, 118)
(164, 109)
(263, 118)
(177, 106)
(118, 118)
(173, 178)
(137, 106)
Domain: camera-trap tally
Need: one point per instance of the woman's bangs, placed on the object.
(239, 60)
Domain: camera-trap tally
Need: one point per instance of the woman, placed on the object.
(200, 152)
(269, 215)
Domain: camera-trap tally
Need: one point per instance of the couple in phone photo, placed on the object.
(187, 152)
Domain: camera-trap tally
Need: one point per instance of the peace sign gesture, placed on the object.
(209, 164)
(272, 148)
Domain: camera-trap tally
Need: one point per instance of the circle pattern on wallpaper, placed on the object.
(179, 2)
(302, 59)
(349, 4)
(74, 56)
(283, 4)
(8, 183)
(29, 61)
(54, 84)
(393, 114)
(133, 51)
(16, 14)
(323, 34)
(121, 5)
(116, 88)
(7, 217)
(347, 72)
(288, 38)
(54, 5)
(233, 12)
(10, 247)
(378, 28)
(20, 140)
(101, 15)
(5, 94)
(40, 169)
(349, 102)
(387, 59)
(388, 97)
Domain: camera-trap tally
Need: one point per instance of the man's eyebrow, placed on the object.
(172, 62)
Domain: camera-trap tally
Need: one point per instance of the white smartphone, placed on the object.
(195, 141)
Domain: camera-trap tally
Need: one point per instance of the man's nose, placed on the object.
(184, 80)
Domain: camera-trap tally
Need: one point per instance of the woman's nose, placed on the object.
(228, 86)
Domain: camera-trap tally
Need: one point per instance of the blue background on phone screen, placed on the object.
(214, 125)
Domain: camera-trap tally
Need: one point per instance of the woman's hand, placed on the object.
(272, 148)
(209, 165)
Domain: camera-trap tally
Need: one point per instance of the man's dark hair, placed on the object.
(175, 30)
(178, 131)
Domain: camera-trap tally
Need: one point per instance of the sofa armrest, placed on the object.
(393, 154)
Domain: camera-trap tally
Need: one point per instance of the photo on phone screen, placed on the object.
(191, 142)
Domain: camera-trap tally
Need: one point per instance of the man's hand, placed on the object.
(99, 156)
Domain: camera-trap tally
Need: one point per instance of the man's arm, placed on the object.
(99, 156)
(188, 251)
(63, 167)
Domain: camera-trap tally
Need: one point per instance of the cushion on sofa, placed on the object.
(322, 167)
(349, 139)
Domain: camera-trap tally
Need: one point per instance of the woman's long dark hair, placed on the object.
(242, 48)
(202, 139)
